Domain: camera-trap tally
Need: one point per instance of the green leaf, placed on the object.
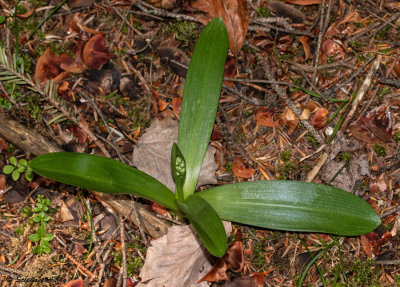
(41, 231)
(178, 168)
(34, 237)
(28, 174)
(46, 249)
(101, 174)
(200, 98)
(8, 169)
(21, 168)
(37, 250)
(23, 162)
(13, 161)
(36, 219)
(2, 19)
(292, 205)
(48, 237)
(15, 175)
(206, 222)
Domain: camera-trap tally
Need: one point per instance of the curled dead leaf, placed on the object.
(320, 118)
(375, 127)
(289, 118)
(47, 67)
(176, 105)
(240, 169)
(79, 3)
(232, 260)
(235, 15)
(264, 117)
(331, 48)
(158, 208)
(306, 46)
(95, 52)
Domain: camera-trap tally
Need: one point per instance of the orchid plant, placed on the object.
(283, 205)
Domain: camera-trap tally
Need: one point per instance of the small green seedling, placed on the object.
(40, 215)
(16, 167)
(283, 205)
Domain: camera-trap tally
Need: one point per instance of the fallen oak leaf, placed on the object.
(235, 15)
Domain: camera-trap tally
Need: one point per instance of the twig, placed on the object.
(103, 265)
(123, 269)
(319, 43)
(321, 162)
(389, 212)
(79, 265)
(293, 107)
(362, 91)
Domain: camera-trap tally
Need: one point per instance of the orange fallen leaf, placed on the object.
(306, 46)
(235, 15)
(304, 2)
(158, 208)
(240, 169)
(95, 52)
(366, 246)
(320, 118)
(176, 105)
(264, 117)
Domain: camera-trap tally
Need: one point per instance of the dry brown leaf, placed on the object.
(289, 118)
(74, 283)
(152, 154)
(79, 3)
(233, 260)
(304, 2)
(177, 259)
(366, 246)
(264, 117)
(306, 46)
(320, 118)
(240, 169)
(165, 4)
(233, 12)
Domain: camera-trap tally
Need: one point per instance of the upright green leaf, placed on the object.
(292, 205)
(200, 98)
(101, 174)
(178, 168)
(207, 224)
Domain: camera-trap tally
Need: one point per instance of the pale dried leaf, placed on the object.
(235, 15)
(178, 259)
(152, 154)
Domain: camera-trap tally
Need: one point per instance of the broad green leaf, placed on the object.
(13, 161)
(48, 237)
(292, 205)
(15, 175)
(200, 98)
(178, 168)
(101, 174)
(34, 237)
(7, 169)
(206, 222)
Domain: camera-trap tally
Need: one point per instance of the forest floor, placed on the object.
(311, 93)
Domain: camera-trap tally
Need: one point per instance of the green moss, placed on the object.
(38, 3)
(183, 30)
(228, 167)
(379, 150)
(285, 155)
(312, 140)
(382, 93)
(383, 34)
(288, 169)
(263, 12)
(365, 274)
(258, 258)
(344, 156)
(396, 136)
